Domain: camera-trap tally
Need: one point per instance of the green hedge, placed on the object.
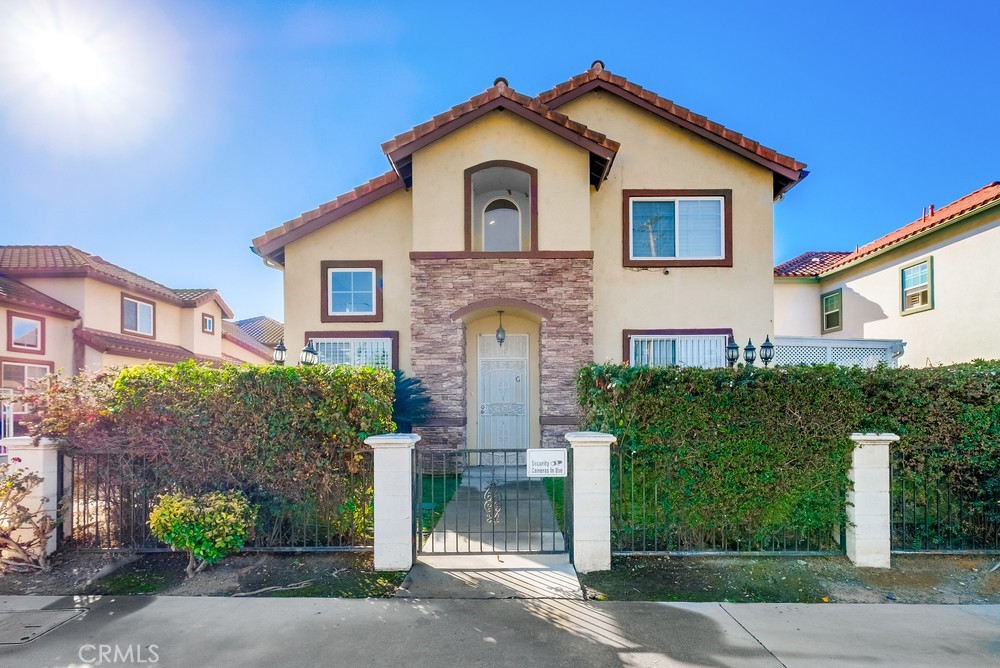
(763, 447)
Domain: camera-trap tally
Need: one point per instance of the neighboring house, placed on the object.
(932, 283)
(266, 330)
(604, 221)
(239, 345)
(67, 310)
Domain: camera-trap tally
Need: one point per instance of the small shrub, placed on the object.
(24, 533)
(207, 527)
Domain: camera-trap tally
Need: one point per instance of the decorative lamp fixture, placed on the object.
(749, 353)
(766, 351)
(501, 333)
(308, 356)
(279, 353)
(732, 352)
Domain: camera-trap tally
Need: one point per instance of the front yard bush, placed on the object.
(208, 527)
(24, 531)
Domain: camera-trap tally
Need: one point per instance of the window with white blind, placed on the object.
(376, 352)
(688, 228)
(917, 282)
(702, 350)
(15, 377)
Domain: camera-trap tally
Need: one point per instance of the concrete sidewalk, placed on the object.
(227, 632)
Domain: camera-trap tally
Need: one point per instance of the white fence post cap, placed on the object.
(873, 437)
(584, 439)
(393, 440)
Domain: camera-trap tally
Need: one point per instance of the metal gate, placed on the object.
(483, 502)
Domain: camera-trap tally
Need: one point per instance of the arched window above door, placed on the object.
(501, 208)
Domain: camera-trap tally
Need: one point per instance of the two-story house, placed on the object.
(931, 283)
(518, 238)
(62, 309)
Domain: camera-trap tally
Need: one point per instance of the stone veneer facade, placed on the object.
(562, 284)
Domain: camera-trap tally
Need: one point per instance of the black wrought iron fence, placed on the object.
(108, 503)
(644, 522)
(933, 511)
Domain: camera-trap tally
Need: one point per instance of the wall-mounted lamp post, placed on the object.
(732, 353)
(501, 333)
(308, 356)
(279, 353)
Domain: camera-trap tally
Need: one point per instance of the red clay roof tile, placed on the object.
(811, 263)
(140, 349)
(16, 293)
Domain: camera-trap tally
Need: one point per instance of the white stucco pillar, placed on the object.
(869, 540)
(393, 500)
(591, 500)
(42, 459)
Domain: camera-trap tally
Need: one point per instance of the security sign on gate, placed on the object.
(546, 462)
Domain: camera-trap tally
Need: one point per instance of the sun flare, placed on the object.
(84, 76)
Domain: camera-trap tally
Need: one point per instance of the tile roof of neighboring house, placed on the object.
(231, 331)
(128, 346)
(811, 263)
(988, 195)
(985, 196)
(500, 96)
(272, 243)
(69, 261)
(17, 293)
(265, 329)
(788, 170)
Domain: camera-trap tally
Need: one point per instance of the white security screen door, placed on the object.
(503, 392)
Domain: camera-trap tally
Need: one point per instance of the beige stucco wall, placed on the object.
(964, 322)
(796, 307)
(512, 324)
(58, 340)
(190, 334)
(656, 154)
(439, 182)
(380, 231)
(239, 352)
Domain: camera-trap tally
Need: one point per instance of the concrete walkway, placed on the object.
(483, 576)
(185, 631)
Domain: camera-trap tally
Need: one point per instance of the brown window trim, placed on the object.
(533, 196)
(392, 334)
(627, 333)
(324, 312)
(10, 333)
(727, 213)
(207, 317)
(129, 332)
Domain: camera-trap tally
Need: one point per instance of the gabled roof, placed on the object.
(264, 329)
(16, 293)
(986, 197)
(400, 149)
(787, 170)
(810, 263)
(232, 332)
(67, 261)
(272, 243)
(141, 349)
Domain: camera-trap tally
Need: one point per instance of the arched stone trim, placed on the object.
(502, 303)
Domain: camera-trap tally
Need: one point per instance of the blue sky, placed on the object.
(180, 130)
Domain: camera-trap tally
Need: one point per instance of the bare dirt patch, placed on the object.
(912, 579)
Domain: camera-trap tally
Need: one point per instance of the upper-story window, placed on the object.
(208, 323)
(138, 316)
(25, 333)
(832, 305)
(664, 228)
(917, 282)
(352, 291)
(501, 208)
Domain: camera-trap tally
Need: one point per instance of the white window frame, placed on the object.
(207, 323)
(351, 270)
(680, 348)
(39, 325)
(355, 352)
(677, 227)
(12, 410)
(138, 319)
